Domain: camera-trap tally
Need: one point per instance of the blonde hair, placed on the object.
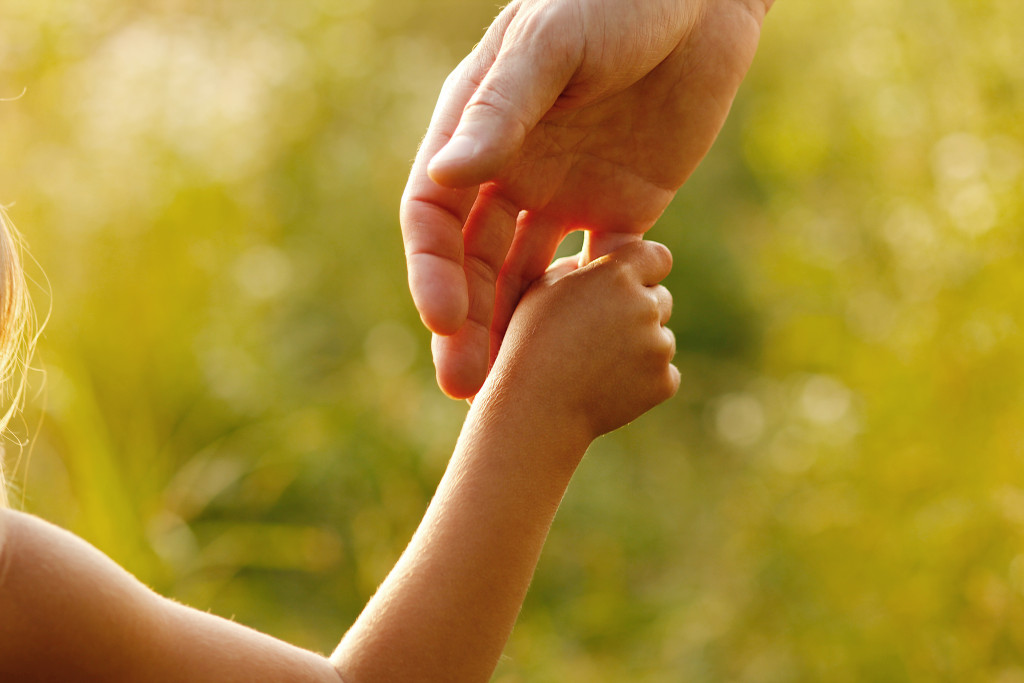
(17, 340)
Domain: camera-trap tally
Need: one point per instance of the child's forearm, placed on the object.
(447, 608)
(443, 614)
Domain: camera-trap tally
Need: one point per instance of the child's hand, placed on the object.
(587, 346)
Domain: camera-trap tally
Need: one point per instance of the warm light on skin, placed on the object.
(520, 147)
(446, 610)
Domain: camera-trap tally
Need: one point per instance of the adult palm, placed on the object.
(570, 114)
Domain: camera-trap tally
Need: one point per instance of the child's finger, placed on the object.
(674, 380)
(663, 300)
(652, 261)
(657, 262)
(670, 377)
(670, 341)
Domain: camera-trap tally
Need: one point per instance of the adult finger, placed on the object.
(536, 239)
(432, 218)
(461, 360)
(598, 243)
(434, 257)
(540, 48)
(562, 267)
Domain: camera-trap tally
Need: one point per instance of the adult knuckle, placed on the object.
(492, 101)
(480, 269)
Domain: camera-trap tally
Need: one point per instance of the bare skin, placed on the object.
(570, 114)
(446, 610)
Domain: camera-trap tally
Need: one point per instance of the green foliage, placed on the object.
(240, 408)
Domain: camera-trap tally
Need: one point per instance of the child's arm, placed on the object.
(583, 355)
(69, 613)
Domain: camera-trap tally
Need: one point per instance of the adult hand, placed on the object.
(570, 114)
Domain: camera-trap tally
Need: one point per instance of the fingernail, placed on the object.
(459, 149)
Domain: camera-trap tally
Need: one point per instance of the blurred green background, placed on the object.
(239, 403)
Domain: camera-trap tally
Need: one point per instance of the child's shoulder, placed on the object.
(12, 523)
(34, 551)
(17, 526)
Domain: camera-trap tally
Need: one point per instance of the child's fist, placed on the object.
(589, 344)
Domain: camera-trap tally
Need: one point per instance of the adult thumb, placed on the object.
(534, 64)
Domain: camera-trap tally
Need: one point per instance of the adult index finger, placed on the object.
(432, 218)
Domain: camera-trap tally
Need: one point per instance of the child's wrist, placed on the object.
(540, 420)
